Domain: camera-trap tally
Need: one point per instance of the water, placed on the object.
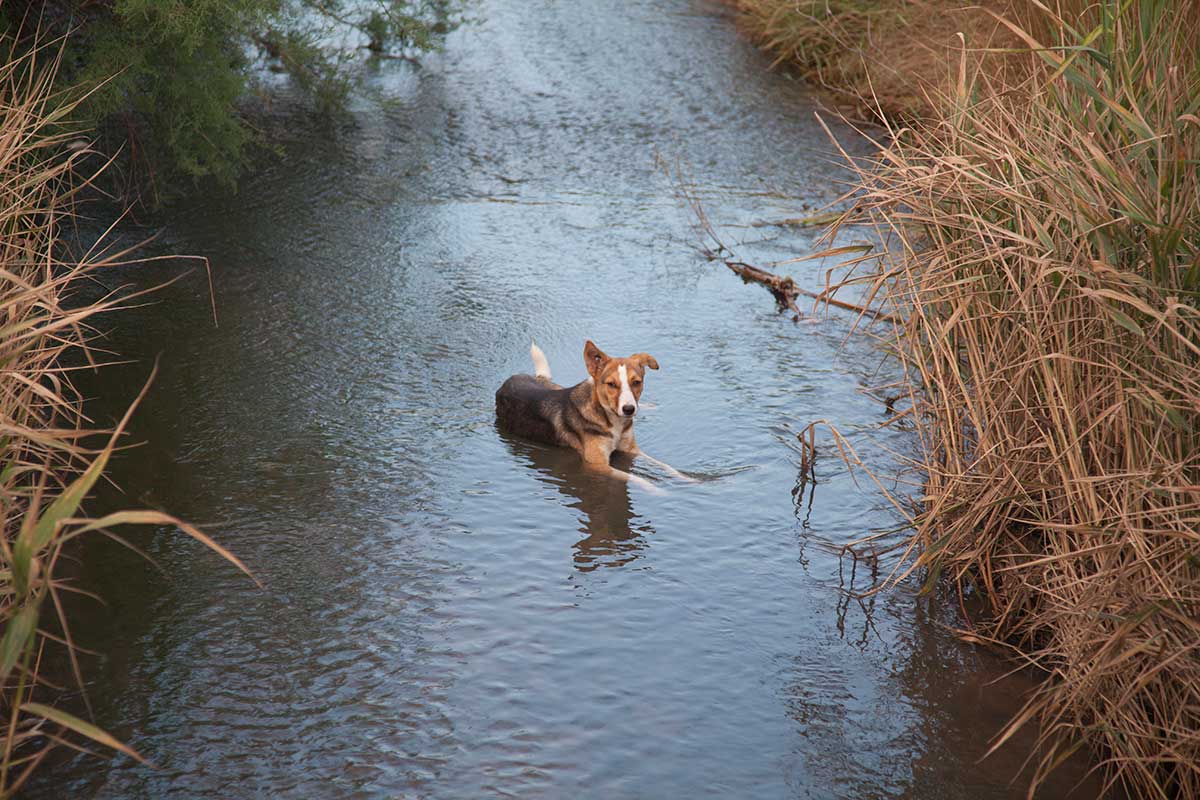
(452, 613)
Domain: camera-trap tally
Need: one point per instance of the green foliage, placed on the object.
(170, 77)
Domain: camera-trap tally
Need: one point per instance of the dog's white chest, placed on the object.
(617, 434)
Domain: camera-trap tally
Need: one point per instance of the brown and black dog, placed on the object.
(594, 417)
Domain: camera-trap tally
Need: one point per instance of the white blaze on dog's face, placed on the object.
(626, 403)
(617, 382)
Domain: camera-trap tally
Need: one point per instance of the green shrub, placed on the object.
(169, 78)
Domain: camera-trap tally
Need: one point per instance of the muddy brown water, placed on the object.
(453, 613)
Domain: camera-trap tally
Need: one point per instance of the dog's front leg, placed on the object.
(636, 480)
(597, 458)
(637, 452)
(674, 473)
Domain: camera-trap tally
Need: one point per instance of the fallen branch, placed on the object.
(783, 288)
(786, 291)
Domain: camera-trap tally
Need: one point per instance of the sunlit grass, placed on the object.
(1046, 266)
(1041, 210)
(874, 57)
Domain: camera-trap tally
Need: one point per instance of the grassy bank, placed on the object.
(1045, 212)
(51, 455)
(874, 58)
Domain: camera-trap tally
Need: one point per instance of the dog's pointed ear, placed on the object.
(645, 359)
(593, 358)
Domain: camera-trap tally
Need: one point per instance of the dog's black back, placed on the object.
(529, 407)
(534, 408)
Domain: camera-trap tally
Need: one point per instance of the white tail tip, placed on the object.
(541, 367)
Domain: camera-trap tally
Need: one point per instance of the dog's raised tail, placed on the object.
(541, 367)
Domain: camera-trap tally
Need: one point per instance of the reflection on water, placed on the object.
(858, 582)
(613, 535)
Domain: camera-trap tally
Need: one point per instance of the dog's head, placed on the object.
(617, 382)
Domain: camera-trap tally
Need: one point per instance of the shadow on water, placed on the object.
(613, 535)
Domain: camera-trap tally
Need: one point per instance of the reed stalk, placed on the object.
(1046, 270)
(1043, 275)
(51, 456)
(875, 59)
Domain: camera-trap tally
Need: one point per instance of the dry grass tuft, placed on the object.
(48, 464)
(1046, 266)
(880, 58)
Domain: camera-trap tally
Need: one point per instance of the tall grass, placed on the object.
(48, 460)
(1046, 266)
(874, 57)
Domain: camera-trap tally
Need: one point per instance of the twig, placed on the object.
(783, 288)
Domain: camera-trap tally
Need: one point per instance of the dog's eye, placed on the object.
(610, 384)
(636, 383)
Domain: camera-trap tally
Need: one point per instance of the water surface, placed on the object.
(449, 612)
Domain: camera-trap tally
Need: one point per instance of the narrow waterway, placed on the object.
(450, 613)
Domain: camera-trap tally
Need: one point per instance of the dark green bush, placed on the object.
(169, 79)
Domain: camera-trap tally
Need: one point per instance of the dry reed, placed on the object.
(876, 58)
(48, 464)
(1044, 263)
(1046, 266)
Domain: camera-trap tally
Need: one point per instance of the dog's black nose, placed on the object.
(628, 410)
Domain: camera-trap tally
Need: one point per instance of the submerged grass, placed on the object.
(48, 462)
(1044, 263)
